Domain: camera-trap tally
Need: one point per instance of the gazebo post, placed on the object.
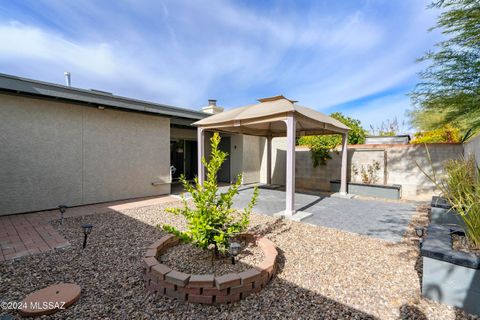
(269, 159)
(343, 173)
(290, 183)
(201, 154)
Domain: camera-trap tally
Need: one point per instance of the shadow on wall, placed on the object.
(402, 166)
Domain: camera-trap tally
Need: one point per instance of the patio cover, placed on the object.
(275, 117)
(267, 119)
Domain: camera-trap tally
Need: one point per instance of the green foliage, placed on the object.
(450, 88)
(320, 146)
(446, 134)
(212, 222)
(369, 173)
(461, 186)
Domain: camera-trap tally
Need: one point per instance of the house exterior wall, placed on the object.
(236, 155)
(185, 134)
(279, 155)
(253, 148)
(55, 153)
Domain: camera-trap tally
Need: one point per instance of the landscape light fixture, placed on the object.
(234, 250)
(420, 231)
(62, 209)
(87, 229)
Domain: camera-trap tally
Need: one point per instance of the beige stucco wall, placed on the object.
(279, 154)
(236, 156)
(253, 148)
(186, 134)
(55, 153)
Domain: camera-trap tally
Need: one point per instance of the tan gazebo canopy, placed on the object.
(268, 117)
(275, 117)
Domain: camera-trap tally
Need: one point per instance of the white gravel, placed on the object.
(323, 274)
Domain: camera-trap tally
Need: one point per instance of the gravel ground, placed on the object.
(190, 259)
(323, 273)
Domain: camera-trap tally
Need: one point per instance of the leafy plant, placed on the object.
(368, 174)
(321, 146)
(449, 90)
(460, 185)
(212, 222)
(447, 133)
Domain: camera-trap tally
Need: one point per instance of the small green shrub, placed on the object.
(212, 222)
(321, 146)
(460, 184)
(368, 174)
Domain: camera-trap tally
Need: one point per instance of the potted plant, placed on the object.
(451, 254)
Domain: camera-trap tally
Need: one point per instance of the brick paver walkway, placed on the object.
(21, 235)
(31, 233)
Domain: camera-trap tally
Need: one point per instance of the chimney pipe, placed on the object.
(68, 79)
(212, 102)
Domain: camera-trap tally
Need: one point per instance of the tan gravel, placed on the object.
(189, 259)
(323, 274)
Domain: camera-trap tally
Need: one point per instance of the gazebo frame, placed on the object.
(264, 119)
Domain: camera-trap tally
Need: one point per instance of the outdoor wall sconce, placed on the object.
(234, 250)
(87, 229)
(420, 231)
(62, 209)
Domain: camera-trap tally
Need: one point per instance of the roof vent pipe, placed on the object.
(68, 79)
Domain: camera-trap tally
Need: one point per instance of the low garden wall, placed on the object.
(398, 166)
(206, 289)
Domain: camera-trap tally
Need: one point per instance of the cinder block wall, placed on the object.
(398, 165)
(55, 153)
(472, 147)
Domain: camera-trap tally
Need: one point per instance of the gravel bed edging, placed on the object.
(207, 289)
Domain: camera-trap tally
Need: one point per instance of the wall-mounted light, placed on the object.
(101, 107)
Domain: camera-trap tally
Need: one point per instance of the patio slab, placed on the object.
(376, 218)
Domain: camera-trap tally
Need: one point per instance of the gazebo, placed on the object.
(275, 117)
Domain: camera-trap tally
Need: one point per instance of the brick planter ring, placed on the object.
(207, 289)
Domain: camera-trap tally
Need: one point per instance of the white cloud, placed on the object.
(184, 52)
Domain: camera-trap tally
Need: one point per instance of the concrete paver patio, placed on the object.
(385, 220)
(32, 233)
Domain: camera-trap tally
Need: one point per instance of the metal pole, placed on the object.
(201, 153)
(343, 173)
(85, 241)
(290, 183)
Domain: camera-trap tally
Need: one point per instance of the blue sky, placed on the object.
(355, 56)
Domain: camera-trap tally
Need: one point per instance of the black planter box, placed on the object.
(369, 190)
(442, 214)
(449, 276)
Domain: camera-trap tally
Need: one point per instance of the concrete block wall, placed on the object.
(472, 147)
(398, 165)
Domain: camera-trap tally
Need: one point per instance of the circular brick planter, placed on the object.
(207, 289)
